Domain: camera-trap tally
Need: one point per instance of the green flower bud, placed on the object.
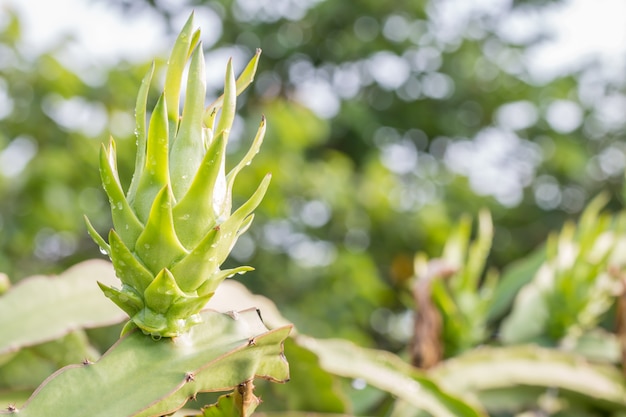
(173, 228)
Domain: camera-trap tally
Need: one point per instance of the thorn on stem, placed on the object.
(189, 377)
(87, 362)
(12, 408)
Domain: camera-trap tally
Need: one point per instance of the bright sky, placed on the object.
(105, 31)
(582, 28)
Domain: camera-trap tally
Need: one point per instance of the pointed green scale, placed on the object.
(200, 264)
(162, 292)
(153, 323)
(245, 161)
(140, 132)
(186, 152)
(195, 215)
(209, 124)
(175, 67)
(124, 218)
(157, 246)
(96, 237)
(243, 81)
(205, 259)
(230, 228)
(155, 173)
(188, 306)
(230, 100)
(126, 299)
(216, 279)
(127, 267)
(245, 225)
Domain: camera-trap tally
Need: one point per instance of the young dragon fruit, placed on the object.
(174, 227)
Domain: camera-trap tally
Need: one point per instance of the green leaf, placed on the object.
(240, 403)
(40, 308)
(514, 277)
(32, 365)
(389, 373)
(216, 355)
(491, 368)
(310, 387)
(477, 253)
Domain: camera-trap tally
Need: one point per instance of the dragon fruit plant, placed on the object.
(174, 226)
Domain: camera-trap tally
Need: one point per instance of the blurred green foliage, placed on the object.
(419, 122)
